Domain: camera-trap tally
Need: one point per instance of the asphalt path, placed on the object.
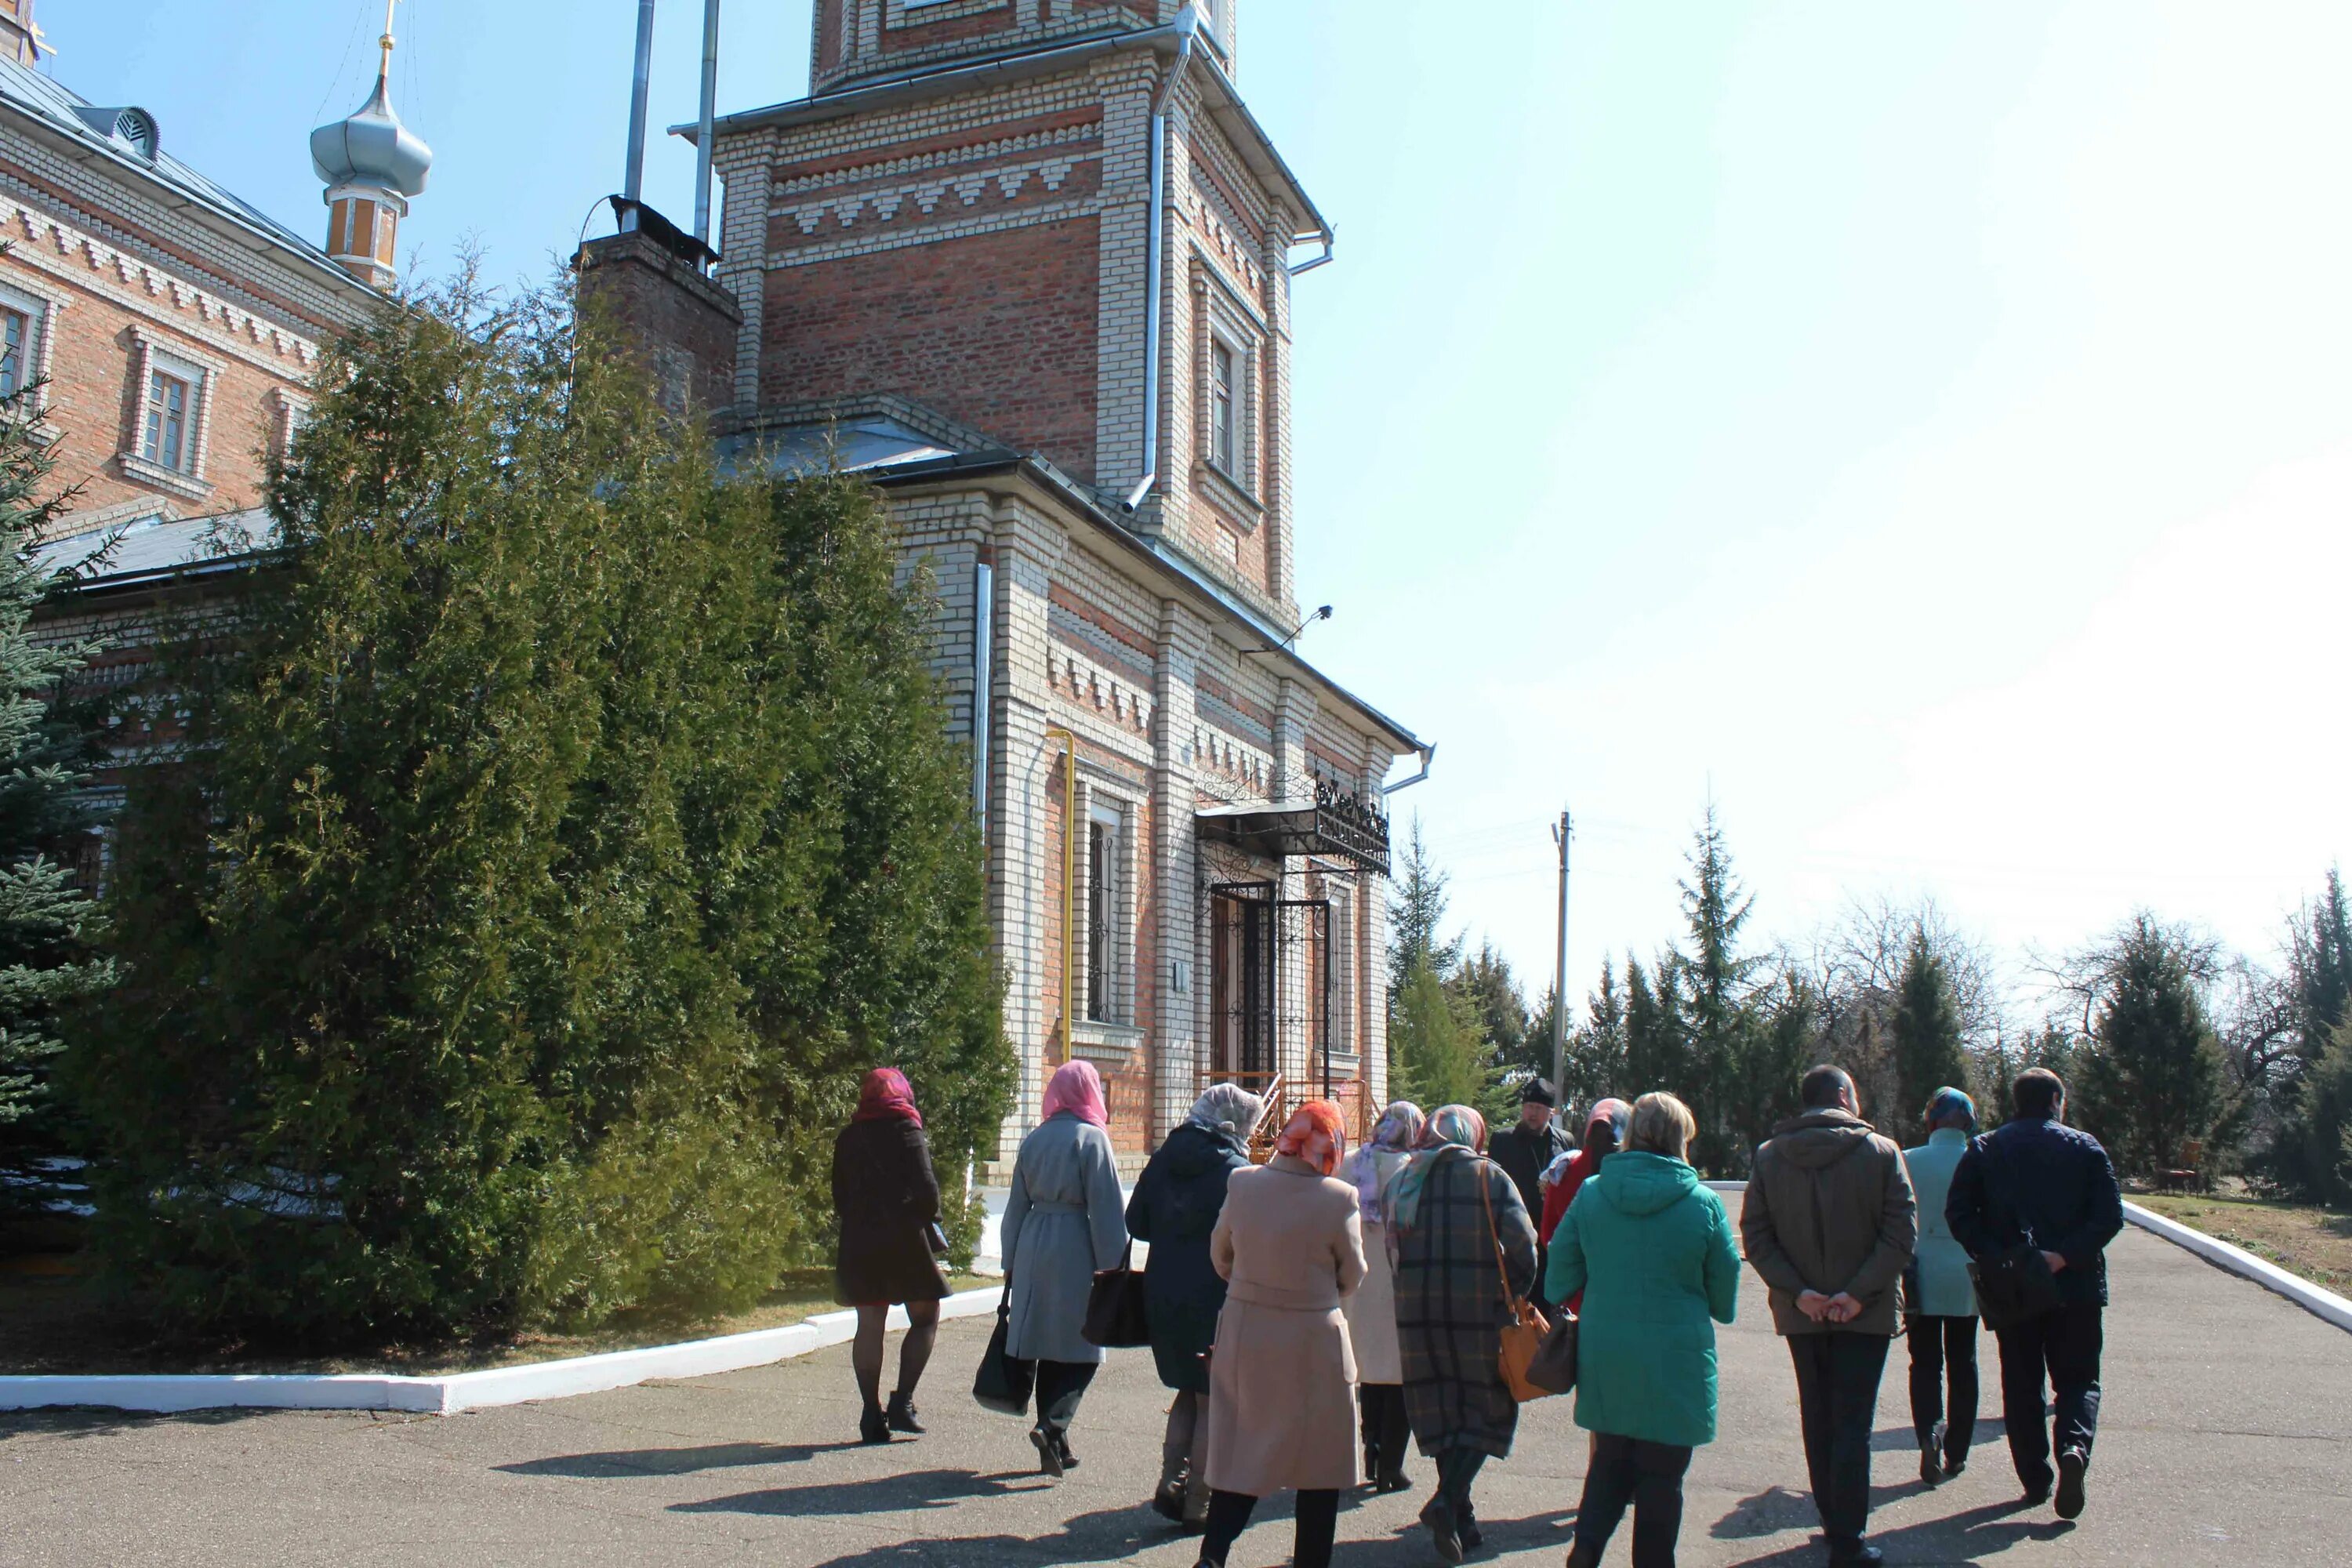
(2227, 1439)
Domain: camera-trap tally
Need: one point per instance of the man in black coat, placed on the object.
(2040, 1183)
(1526, 1148)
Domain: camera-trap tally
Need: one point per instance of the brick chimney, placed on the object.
(680, 325)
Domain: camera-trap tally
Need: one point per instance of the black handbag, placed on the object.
(2014, 1286)
(1553, 1368)
(1003, 1382)
(1117, 1319)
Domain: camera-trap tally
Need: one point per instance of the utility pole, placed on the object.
(1560, 833)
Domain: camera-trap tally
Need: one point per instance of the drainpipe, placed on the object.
(1322, 260)
(1069, 874)
(702, 125)
(983, 683)
(1427, 752)
(1190, 22)
(633, 183)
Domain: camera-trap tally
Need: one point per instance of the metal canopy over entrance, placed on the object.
(1335, 824)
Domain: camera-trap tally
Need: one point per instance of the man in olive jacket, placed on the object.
(1829, 1222)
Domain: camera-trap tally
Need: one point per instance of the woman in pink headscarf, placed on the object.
(1064, 1221)
(888, 1206)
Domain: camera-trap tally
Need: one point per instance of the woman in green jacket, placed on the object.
(1939, 1301)
(1651, 1249)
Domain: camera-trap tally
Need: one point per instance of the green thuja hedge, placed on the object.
(559, 835)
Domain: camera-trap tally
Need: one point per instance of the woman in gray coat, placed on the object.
(1062, 1224)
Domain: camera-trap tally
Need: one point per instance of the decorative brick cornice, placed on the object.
(62, 250)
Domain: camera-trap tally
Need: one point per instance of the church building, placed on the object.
(1027, 266)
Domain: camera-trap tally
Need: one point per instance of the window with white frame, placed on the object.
(1222, 397)
(27, 343)
(1105, 914)
(172, 417)
(1343, 970)
(170, 402)
(15, 351)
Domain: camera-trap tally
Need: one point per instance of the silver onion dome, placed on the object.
(372, 148)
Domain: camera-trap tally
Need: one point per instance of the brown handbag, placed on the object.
(1523, 1337)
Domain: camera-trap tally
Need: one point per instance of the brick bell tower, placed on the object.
(1053, 224)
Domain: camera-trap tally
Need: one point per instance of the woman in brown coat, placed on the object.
(1282, 1378)
(888, 1206)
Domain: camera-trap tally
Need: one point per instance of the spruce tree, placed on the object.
(47, 963)
(1926, 1037)
(2151, 1083)
(2314, 1097)
(1436, 1056)
(1484, 982)
(1716, 909)
(1417, 916)
(562, 834)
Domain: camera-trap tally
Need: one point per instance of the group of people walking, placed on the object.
(1316, 1316)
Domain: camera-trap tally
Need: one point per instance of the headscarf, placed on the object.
(1390, 1148)
(1077, 1088)
(1450, 1128)
(1226, 1110)
(1316, 1133)
(1951, 1101)
(1569, 1172)
(884, 1095)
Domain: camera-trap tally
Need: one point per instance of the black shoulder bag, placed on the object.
(2014, 1285)
(1004, 1381)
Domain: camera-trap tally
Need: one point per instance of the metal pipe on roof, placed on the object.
(1428, 755)
(633, 182)
(1156, 241)
(1322, 260)
(710, 111)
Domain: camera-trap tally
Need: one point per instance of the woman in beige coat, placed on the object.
(1282, 1378)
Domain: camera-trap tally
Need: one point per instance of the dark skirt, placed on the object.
(881, 1265)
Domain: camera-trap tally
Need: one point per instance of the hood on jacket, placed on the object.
(1193, 1150)
(1640, 1184)
(1819, 1138)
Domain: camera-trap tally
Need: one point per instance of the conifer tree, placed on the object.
(562, 834)
(1437, 1053)
(1417, 916)
(1716, 909)
(1484, 982)
(2151, 1082)
(1926, 1037)
(47, 965)
(2315, 1099)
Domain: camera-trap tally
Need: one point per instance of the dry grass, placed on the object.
(2315, 1243)
(53, 1322)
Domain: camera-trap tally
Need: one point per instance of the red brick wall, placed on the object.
(919, 34)
(93, 399)
(995, 330)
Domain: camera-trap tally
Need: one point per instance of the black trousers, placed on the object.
(1060, 1385)
(1837, 1396)
(1647, 1475)
(1943, 1355)
(2063, 1347)
(1318, 1522)
(1387, 1432)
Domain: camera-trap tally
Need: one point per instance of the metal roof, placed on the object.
(862, 445)
(157, 545)
(66, 113)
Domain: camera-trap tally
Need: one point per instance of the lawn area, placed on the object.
(53, 1322)
(2302, 1239)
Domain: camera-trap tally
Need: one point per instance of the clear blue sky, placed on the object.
(1925, 427)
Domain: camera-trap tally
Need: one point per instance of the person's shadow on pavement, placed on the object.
(908, 1491)
(1107, 1535)
(624, 1462)
(1966, 1537)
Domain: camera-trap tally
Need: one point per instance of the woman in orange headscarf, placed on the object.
(1282, 1378)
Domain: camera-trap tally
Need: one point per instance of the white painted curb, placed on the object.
(2319, 1301)
(465, 1390)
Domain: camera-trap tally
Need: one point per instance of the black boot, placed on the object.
(873, 1426)
(1931, 1456)
(1062, 1447)
(1049, 1453)
(2072, 1464)
(901, 1416)
(1437, 1515)
(1168, 1502)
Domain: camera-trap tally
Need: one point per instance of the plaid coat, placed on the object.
(1450, 1305)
